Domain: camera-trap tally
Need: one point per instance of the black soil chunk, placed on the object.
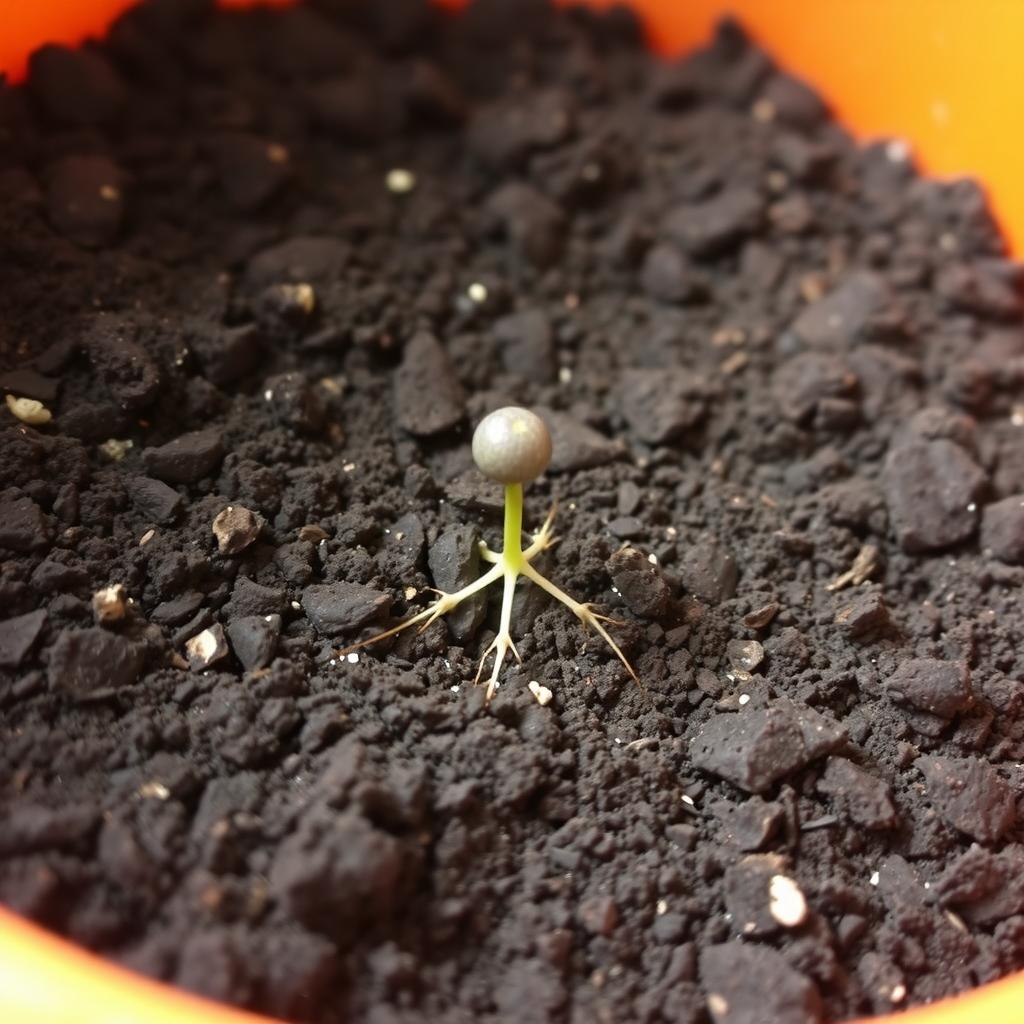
(186, 459)
(864, 798)
(932, 488)
(939, 687)
(85, 198)
(454, 560)
(756, 747)
(643, 587)
(75, 87)
(336, 608)
(748, 984)
(85, 661)
(23, 524)
(970, 795)
(428, 396)
(154, 499)
(1002, 529)
(254, 639)
(17, 636)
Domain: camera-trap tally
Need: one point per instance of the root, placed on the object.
(508, 569)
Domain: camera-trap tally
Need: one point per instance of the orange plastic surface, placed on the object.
(943, 74)
(46, 981)
(26, 24)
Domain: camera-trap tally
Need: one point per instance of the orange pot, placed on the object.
(942, 74)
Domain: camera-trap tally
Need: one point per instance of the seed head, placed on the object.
(512, 445)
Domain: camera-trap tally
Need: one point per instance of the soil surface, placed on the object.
(265, 271)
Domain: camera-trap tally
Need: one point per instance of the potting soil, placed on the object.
(260, 275)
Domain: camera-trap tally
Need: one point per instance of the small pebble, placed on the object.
(28, 410)
(744, 655)
(153, 791)
(235, 529)
(626, 527)
(109, 604)
(116, 450)
(206, 647)
(787, 903)
(831, 321)
(760, 617)
(542, 693)
(400, 181)
(300, 294)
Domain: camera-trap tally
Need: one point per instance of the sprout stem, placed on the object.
(515, 447)
(512, 553)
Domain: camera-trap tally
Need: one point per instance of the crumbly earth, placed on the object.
(266, 270)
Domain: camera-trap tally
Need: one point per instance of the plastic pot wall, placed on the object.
(942, 74)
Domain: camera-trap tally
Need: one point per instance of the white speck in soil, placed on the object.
(400, 181)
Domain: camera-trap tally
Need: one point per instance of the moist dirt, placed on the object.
(261, 274)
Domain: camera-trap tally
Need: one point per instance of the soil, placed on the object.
(266, 270)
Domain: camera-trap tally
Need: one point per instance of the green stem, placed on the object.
(512, 555)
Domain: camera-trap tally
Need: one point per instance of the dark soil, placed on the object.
(784, 374)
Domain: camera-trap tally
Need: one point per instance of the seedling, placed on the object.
(511, 446)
